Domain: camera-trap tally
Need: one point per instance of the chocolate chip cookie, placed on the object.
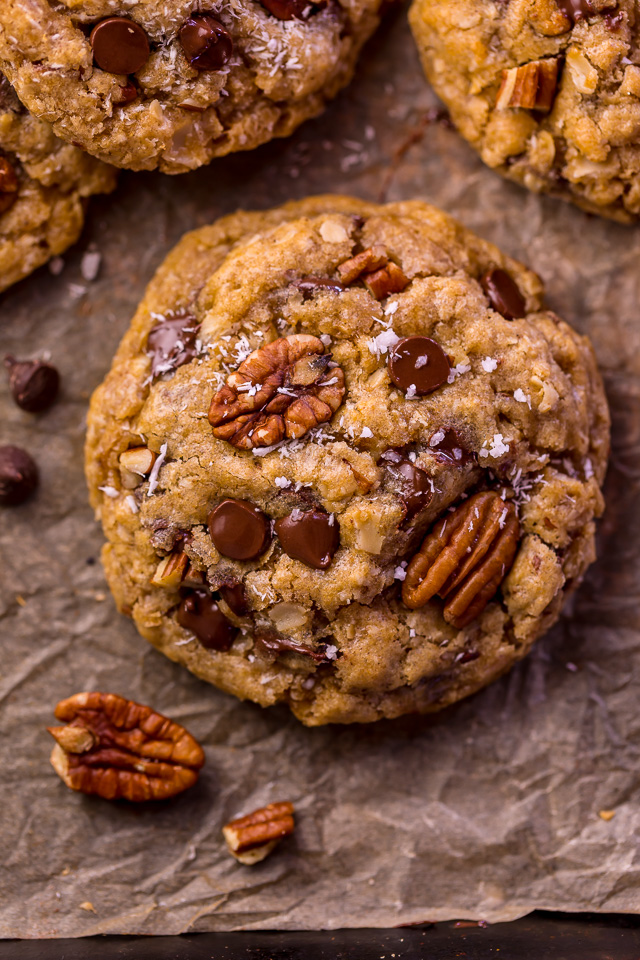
(346, 459)
(548, 91)
(173, 84)
(44, 184)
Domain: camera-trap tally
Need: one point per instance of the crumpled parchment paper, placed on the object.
(488, 810)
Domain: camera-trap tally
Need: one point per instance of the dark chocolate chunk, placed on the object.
(576, 9)
(119, 45)
(200, 614)
(271, 643)
(286, 9)
(420, 363)
(449, 448)
(34, 385)
(206, 43)
(504, 294)
(413, 485)
(172, 342)
(239, 529)
(308, 285)
(18, 476)
(311, 537)
(234, 596)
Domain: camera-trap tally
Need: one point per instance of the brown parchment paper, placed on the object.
(486, 811)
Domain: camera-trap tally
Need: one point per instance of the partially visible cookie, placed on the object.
(44, 184)
(547, 91)
(346, 459)
(174, 83)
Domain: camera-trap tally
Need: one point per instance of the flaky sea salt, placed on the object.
(489, 364)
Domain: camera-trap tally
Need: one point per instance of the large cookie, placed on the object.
(345, 459)
(548, 91)
(44, 184)
(152, 83)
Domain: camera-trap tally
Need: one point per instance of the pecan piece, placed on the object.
(252, 838)
(283, 389)
(389, 279)
(365, 262)
(135, 463)
(531, 86)
(8, 185)
(118, 749)
(380, 275)
(465, 558)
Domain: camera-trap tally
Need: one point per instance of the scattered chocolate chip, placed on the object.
(235, 597)
(206, 43)
(286, 9)
(576, 9)
(119, 45)
(172, 342)
(271, 643)
(33, 384)
(311, 537)
(200, 614)
(413, 485)
(420, 363)
(239, 529)
(18, 476)
(504, 294)
(8, 184)
(308, 285)
(449, 448)
(468, 656)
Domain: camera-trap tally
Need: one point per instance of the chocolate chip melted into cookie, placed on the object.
(172, 342)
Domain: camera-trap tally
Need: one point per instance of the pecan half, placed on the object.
(465, 558)
(8, 185)
(252, 838)
(118, 749)
(531, 86)
(284, 389)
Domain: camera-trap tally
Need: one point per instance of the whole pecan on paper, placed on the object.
(251, 838)
(465, 558)
(119, 749)
(284, 389)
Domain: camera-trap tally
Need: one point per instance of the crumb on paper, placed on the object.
(90, 265)
(88, 906)
(606, 814)
(20, 600)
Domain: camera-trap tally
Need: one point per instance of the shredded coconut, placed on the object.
(130, 501)
(380, 344)
(282, 482)
(90, 265)
(366, 433)
(497, 447)
(110, 492)
(155, 470)
(489, 364)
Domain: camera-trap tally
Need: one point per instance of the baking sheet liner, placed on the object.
(488, 810)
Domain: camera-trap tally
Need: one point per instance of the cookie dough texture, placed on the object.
(524, 397)
(281, 73)
(586, 147)
(54, 180)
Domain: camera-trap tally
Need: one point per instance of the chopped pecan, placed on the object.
(284, 389)
(171, 571)
(531, 86)
(465, 558)
(135, 464)
(8, 185)
(252, 838)
(365, 262)
(118, 749)
(389, 279)
(380, 275)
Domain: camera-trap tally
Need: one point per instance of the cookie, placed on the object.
(547, 91)
(172, 85)
(44, 184)
(345, 459)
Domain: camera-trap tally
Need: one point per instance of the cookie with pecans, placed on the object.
(345, 459)
(149, 83)
(44, 186)
(547, 91)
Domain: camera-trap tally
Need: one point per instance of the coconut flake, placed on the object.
(155, 470)
(110, 492)
(489, 364)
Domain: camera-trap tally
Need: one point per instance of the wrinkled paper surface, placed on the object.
(488, 810)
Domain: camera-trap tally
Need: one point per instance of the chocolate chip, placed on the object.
(34, 385)
(311, 537)
(18, 476)
(239, 529)
(418, 362)
(286, 9)
(206, 43)
(504, 294)
(308, 285)
(270, 642)
(119, 45)
(9, 184)
(449, 448)
(172, 342)
(413, 485)
(235, 597)
(576, 9)
(200, 614)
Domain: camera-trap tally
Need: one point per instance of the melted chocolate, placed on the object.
(172, 342)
